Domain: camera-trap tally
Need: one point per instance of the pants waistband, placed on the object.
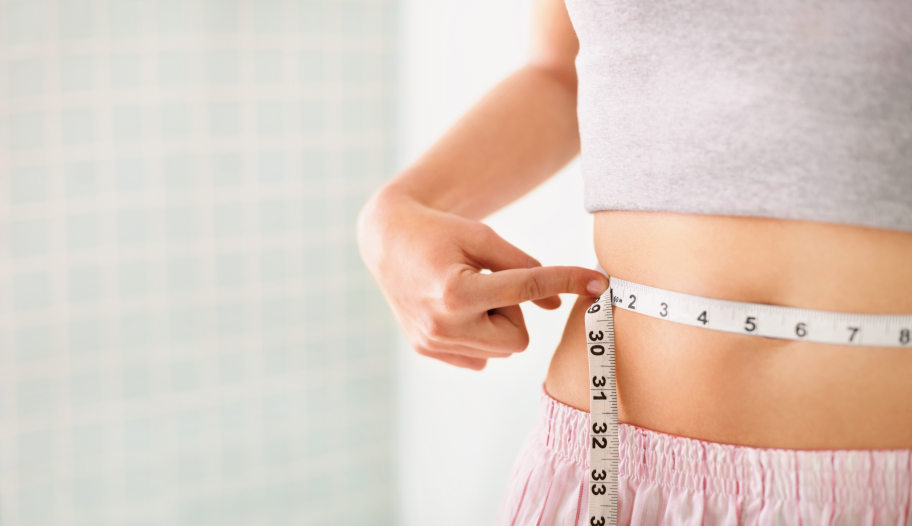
(882, 477)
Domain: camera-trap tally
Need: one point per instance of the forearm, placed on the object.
(420, 235)
(518, 135)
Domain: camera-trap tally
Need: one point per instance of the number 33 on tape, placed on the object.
(603, 414)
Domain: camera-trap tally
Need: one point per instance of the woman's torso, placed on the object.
(735, 144)
(749, 390)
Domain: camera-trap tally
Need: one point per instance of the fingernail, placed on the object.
(596, 287)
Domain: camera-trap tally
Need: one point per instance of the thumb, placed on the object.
(511, 287)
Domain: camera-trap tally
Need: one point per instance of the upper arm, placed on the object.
(554, 42)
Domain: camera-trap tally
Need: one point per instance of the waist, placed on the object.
(746, 390)
(757, 260)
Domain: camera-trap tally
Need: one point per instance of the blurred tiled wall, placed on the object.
(187, 334)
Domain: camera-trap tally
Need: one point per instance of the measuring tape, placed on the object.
(728, 316)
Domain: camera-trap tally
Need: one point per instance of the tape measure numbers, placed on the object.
(721, 315)
(603, 414)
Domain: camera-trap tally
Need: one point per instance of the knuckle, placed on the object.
(423, 342)
(488, 236)
(427, 336)
(531, 289)
(483, 231)
(434, 329)
(451, 297)
(573, 281)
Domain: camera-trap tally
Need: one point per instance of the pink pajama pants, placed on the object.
(671, 480)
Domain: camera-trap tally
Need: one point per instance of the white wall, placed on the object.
(460, 431)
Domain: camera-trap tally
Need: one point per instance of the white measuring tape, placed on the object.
(721, 315)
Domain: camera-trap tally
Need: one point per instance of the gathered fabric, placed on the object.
(670, 480)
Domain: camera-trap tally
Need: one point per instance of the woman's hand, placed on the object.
(429, 264)
(419, 235)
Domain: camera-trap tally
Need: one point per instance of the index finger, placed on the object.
(514, 286)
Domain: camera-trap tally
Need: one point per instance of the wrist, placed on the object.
(376, 221)
(433, 187)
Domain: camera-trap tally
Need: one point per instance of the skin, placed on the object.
(421, 238)
(748, 390)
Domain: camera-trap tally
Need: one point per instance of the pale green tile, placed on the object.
(26, 130)
(75, 17)
(223, 66)
(184, 274)
(29, 238)
(269, 117)
(77, 126)
(182, 222)
(173, 68)
(185, 376)
(136, 382)
(86, 336)
(228, 220)
(82, 231)
(269, 16)
(138, 434)
(26, 77)
(24, 21)
(222, 15)
(87, 389)
(88, 493)
(126, 71)
(35, 343)
(271, 166)
(227, 169)
(180, 171)
(131, 226)
(175, 119)
(124, 17)
(88, 441)
(129, 174)
(126, 122)
(35, 397)
(269, 66)
(37, 504)
(231, 318)
(224, 118)
(77, 73)
(31, 290)
(231, 269)
(28, 184)
(80, 179)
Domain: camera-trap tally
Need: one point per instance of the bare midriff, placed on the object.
(749, 390)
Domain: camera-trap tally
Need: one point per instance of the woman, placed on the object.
(754, 152)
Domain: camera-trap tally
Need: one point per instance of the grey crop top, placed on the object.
(793, 109)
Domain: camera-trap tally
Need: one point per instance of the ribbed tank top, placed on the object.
(792, 109)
